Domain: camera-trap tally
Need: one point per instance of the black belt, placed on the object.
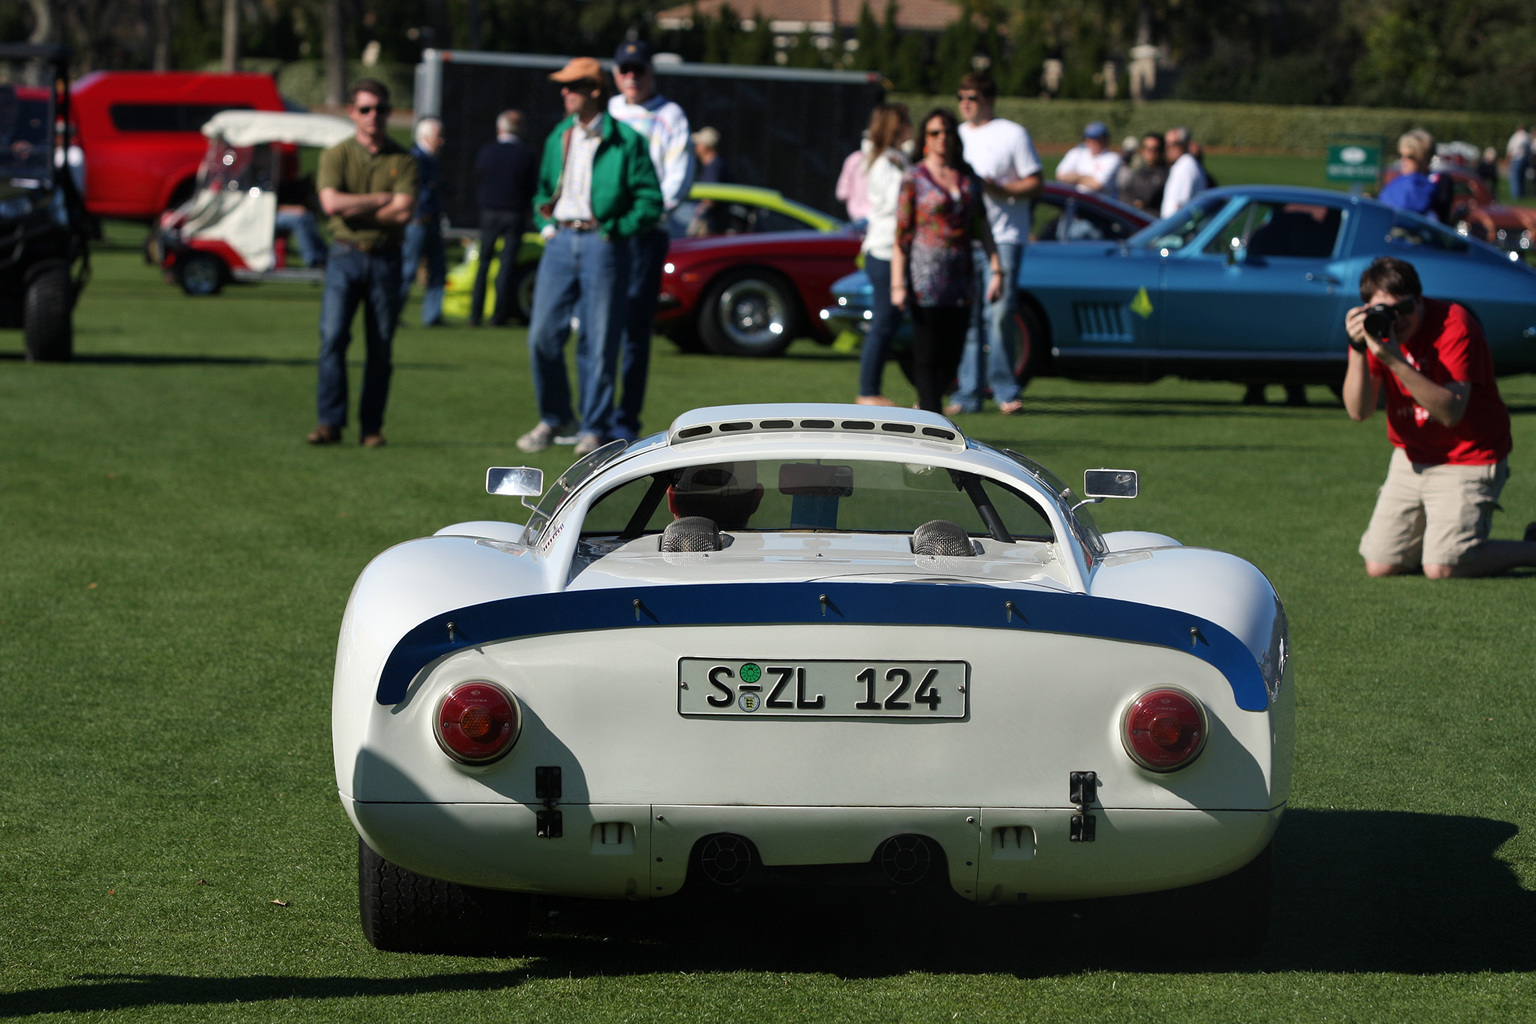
(577, 225)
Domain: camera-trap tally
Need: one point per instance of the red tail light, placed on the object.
(1164, 730)
(477, 722)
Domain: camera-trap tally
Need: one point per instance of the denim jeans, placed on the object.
(647, 254)
(424, 240)
(509, 227)
(882, 326)
(583, 274)
(352, 279)
(1517, 166)
(990, 346)
(303, 234)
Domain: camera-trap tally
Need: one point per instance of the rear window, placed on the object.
(167, 117)
(854, 496)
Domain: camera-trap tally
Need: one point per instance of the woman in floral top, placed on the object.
(938, 216)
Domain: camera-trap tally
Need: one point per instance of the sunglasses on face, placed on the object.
(934, 132)
(633, 69)
(968, 97)
(382, 108)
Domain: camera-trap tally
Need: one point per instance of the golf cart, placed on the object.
(44, 231)
(228, 229)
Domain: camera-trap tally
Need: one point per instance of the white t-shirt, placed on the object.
(1185, 178)
(884, 188)
(1103, 168)
(1001, 151)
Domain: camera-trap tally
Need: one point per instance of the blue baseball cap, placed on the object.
(635, 52)
(1096, 130)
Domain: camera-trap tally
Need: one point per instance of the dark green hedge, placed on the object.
(1058, 123)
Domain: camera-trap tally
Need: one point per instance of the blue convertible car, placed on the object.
(1251, 283)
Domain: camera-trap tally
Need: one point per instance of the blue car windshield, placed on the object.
(1181, 228)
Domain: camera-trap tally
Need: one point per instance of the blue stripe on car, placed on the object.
(812, 604)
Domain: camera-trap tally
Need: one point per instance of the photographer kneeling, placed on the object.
(1446, 421)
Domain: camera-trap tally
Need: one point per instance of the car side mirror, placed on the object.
(1237, 251)
(518, 481)
(1111, 483)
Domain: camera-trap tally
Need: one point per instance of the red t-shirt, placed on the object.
(1448, 346)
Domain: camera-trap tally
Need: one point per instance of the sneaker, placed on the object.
(536, 440)
(586, 444)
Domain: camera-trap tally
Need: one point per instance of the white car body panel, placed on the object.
(1057, 639)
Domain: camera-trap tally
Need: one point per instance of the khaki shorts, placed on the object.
(1432, 514)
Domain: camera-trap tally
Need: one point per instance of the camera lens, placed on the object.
(1379, 321)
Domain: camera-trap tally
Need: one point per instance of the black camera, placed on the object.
(1379, 320)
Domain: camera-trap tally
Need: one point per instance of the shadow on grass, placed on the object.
(1355, 892)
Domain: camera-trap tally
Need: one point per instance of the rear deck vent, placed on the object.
(899, 428)
(816, 424)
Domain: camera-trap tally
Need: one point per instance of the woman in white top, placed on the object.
(889, 127)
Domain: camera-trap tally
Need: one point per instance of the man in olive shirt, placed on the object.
(367, 188)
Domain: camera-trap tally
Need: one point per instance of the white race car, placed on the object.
(780, 637)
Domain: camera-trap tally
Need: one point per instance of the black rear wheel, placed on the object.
(1033, 342)
(404, 912)
(48, 314)
(749, 313)
(199, 274)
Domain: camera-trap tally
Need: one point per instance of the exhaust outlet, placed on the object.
(905, 859)
(726, 859)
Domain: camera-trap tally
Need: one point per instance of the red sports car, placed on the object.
(751, 295)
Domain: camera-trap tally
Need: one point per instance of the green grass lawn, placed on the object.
(175, 565)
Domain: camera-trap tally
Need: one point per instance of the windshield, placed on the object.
(238, 168)
(570, 481)
(821, 495)
(26, 136)
(1179, 229)
(1079, 516)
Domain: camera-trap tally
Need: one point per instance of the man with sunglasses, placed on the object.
(1448, 426)
(664, 126)
(1003, 156)
(597, 190)
(367, 187)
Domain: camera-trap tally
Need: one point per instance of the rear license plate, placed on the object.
(824, 689)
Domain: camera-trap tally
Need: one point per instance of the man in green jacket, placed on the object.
(597, 188)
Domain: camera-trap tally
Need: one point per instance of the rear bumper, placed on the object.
(640, 851)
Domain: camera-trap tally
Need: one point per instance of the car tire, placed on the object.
(1034, 342)
(523, 278)
(403, 912)
(749, 313)
(48, 314)
(199, 274)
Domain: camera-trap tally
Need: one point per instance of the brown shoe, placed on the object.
(373, 441)
(324, 434)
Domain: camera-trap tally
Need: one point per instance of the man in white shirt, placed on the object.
(1003, 156)
(1185, 175)
(1093, 165)
(1519, 152)
(664, 126)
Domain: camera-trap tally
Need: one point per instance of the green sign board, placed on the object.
(1354, 162)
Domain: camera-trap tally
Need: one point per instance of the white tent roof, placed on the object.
(254, 127)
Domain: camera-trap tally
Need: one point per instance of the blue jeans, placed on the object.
(584, 274)
(1517, 167)
(352, 279)
(304, 233)
(647, 253)
(990, 347)
(424, 240)
(882, 326)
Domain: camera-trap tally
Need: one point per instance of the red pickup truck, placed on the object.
(139, 133)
